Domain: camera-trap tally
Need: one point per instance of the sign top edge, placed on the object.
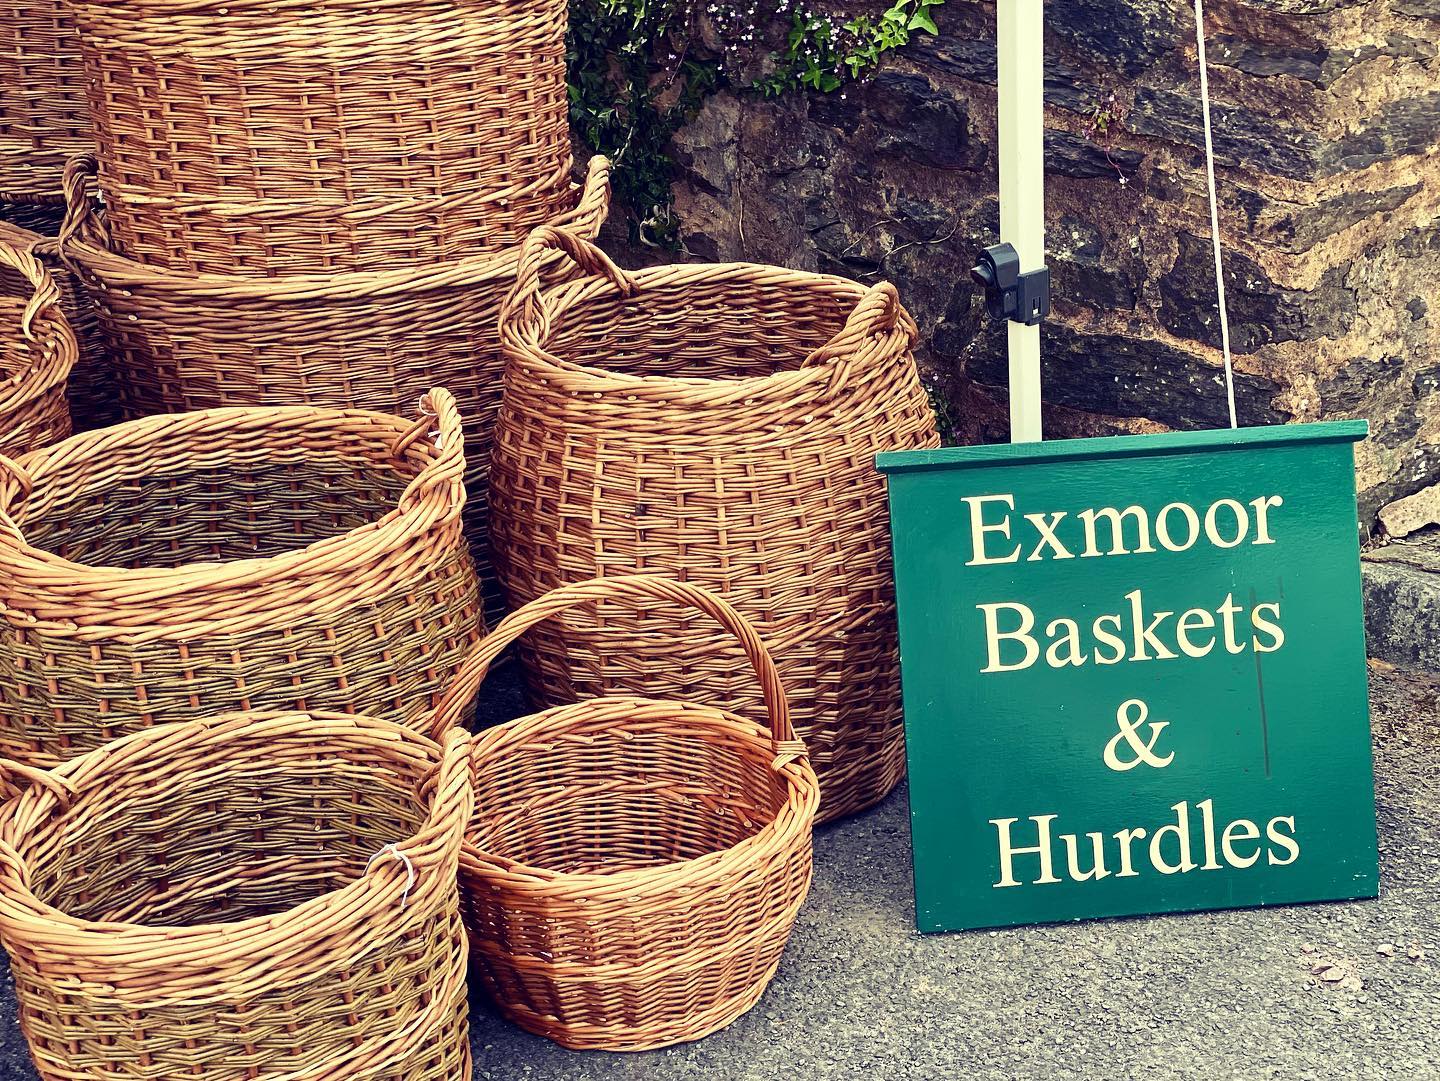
(1123, 446)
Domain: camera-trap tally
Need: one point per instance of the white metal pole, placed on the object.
(1021, 87)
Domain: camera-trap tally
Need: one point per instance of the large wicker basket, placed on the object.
(44, 118)
(261, 137)
(716, 424)
(91, 387)
(185, 565)
(634, 867)
(265, 895)
(362, 341)
(37, 353)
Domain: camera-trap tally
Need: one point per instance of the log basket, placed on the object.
(716, 424)
(255, 895)
(635, 866)
(279, 137)
(236, 559)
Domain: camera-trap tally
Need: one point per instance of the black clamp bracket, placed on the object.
(1021, 298)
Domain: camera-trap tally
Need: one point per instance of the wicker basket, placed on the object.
(263, 137)
(716, 424)
(634, 867)
(361, 341)
(91, 387)
(44, 117)
(265, 895)
(186, 565)
(37, 352)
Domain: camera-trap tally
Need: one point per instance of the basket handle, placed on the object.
(81, 223)
(29, 776)
(44, 293)
(879, 311)
(440, 420)
(523, 305)
(633, 587)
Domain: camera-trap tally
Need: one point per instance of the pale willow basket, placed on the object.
(266, 895)
(635, 866)
(190, 564)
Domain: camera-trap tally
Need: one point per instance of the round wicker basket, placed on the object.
(37, 353)
(185, 565)
(257, 895)
(634, 867)
(276, 137)
(715, 424)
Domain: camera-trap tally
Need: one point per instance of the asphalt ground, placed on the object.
(1326, 991)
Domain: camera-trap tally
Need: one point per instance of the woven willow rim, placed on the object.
(279, 941)
(82, 240)
(793, 821)
(530, 317)
(50, 583)
(42, 318)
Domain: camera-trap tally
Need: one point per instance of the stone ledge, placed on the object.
(1402, 601)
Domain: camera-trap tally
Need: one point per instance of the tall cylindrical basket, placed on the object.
(278, 137)
(715, 424)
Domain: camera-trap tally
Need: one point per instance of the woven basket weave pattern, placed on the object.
(37, 352)
(189, 564)
(718, 424)
(206, 899)
(44, 119)
(635, 867)
(288, 136)
(91, 389)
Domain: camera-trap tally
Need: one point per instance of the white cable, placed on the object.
(1214, 211)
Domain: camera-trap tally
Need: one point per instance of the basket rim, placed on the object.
(791, 825)
(38, 803)
(114, 271)
(19, 559)
(47, 367)
(528, 343)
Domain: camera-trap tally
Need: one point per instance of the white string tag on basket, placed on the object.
(393, 852)
(1214, 211)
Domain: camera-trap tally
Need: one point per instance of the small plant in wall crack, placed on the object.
(823, 50)
(639, 70)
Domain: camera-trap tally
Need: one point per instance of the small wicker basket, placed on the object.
(634, 867)
(44, 116)
(191, 564)
(267, 895)
(277, 137)
(37, 352)
(718, 425)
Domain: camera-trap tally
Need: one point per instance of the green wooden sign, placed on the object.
(1134, 674)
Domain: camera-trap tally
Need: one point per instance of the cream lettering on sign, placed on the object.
(979, 528)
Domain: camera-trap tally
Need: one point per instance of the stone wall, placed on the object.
(1326, 115)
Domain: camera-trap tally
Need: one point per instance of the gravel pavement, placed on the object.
(1212, 995)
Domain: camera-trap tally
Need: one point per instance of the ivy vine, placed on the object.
(640, 69)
